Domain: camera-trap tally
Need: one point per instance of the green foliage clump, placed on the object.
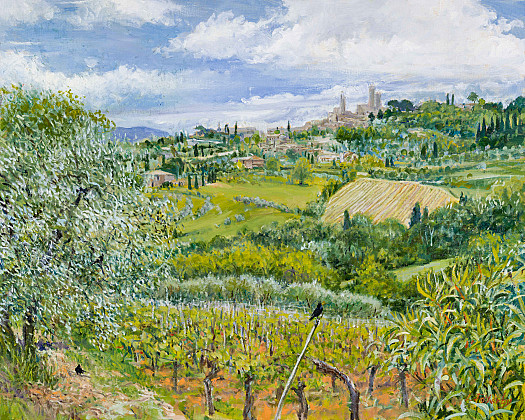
(462, 341)
(287, 264)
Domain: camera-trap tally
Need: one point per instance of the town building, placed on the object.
(374, 102)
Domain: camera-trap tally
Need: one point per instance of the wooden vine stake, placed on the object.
(294, 371)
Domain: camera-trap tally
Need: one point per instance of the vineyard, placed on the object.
(458, 353)
(382, 200)
(231, 361)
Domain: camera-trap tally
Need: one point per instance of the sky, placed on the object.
(174, 64)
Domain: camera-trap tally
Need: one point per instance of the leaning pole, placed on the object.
(294, 371)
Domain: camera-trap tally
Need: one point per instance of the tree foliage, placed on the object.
(302, 171)
(75, 224)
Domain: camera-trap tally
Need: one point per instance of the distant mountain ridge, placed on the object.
(137, 133)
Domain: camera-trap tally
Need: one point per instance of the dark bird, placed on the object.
(317, 311)
(79, 370)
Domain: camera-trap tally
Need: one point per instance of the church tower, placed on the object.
(371, 96)
(342, 106)
(377, 101)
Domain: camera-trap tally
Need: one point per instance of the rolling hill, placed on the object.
(381, 199)
(134, 134)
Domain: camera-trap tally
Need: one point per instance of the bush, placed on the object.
(268, 291)
(287, 264)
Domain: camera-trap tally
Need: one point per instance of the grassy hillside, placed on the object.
(382, 199)
(406, 273)
(222, 195)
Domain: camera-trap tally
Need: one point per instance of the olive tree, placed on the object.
(302, 171)
(75, 225)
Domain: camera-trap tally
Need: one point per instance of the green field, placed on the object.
(222, 195)
(271, 189)
(406, 273)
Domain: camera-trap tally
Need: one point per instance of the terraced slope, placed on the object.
(381, 199)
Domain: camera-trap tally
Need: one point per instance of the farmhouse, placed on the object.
(251, 162)
(158, 177)
(329, 157)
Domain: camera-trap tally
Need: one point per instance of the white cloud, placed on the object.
(105, 89)
(25, 11)
(222, 36)
(458, 39)
(130, 12)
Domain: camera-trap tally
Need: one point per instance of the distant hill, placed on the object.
(137, 133)
(381, 199)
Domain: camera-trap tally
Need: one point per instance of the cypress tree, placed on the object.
(498, 123)
(448, 100)
(424, 218)
(478, 132)
(203, 183)
(507, 120)
(346, 221)
(415, 218)
(483, 128)
(452, 102)
(435, 151)
(492, 126)
(189, 182)
(387, 162)
(196, 182)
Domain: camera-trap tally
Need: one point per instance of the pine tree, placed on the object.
(415, 218)
(346, 221)
(189, 182)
